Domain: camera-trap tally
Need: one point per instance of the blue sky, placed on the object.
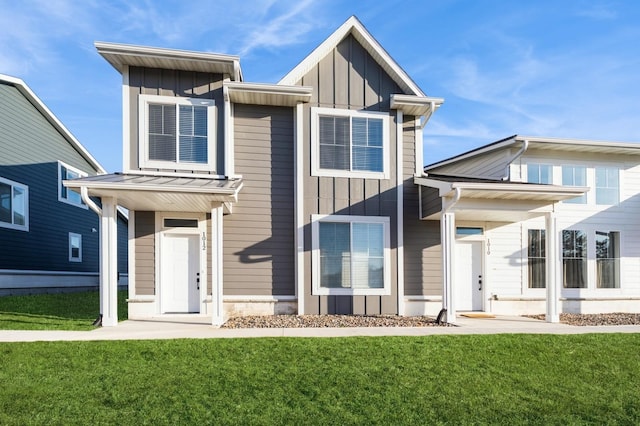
(567, 69)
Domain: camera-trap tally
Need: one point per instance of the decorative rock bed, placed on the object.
(321, 321)
(618, 318)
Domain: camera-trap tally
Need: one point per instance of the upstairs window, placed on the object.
(539, 173)
(349, 143)
(177, 133)
(575, 176)
(607, 186)
(14, 205)
(68, 195)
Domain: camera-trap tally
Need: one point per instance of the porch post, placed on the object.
(217, 312)
(448, 238)
(109, 262)
(552, 263)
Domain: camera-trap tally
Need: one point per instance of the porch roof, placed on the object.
(167, 193)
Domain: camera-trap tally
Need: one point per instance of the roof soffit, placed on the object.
(354, 27)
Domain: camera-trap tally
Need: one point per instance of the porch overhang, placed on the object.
(266, 94)
(160, 193)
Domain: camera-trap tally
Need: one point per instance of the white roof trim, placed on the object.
(581, 142)
(271, 91)
(46, 112)
(360, 33)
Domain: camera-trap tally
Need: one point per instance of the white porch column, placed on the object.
(217, 310)
(552, 262)
(448, 239)
(109, 262)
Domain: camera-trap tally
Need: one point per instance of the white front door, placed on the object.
(180, 291)
(468, 276)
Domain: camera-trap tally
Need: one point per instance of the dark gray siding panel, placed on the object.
(259, 245)
(431, 201)
(187, 84)
(145, 255)
(349, 78)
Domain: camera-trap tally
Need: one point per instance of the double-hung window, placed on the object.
(14, 205)
(351, 255)
(607, 185)
(536, 253)
(574, 259)
(539, 173)
(348, 143)
(75, 247)
(177, 133)
(608, 259)
(68, 195)
(575, 176)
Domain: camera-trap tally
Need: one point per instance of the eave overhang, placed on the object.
(160, 193)
(122, 55)
(266, 94)
(415, 105)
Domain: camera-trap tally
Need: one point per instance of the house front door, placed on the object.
(468, 276)
(180, 274)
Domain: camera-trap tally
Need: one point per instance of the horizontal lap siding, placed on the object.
(145, 254)
(348, 78)
(259, 246)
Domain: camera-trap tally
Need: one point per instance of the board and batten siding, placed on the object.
(145, 253)
(422, 250)
(185, 84)
(349, 78)
(259, 244)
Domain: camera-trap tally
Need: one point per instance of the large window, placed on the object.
(350, 143)
(177, 132)
(351, 255)
(607, 259)
(14, 205)
(539, 173)
(536, 254)
(574, 259)
(75, 247)
(575, 176)
(68, 195)
(607, 185)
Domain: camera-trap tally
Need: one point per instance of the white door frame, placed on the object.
(481, 240)
(201, 232)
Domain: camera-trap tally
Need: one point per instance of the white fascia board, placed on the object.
(46, 112)
(633, 146)
(522, 188)
(443, 187)
(404, 102)
(360, 33)
(163, 188)
(293, 94)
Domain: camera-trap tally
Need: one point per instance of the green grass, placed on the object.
(61, 311)
(477, 379)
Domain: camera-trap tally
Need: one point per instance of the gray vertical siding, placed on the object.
(259, 245)
(145, 252)
(348, 78)
(186, 84)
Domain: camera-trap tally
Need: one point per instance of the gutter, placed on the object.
(525, 146)
(84, 193)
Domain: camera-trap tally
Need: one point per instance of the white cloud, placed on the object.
(598, 11)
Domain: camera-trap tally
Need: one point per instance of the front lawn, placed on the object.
(476, 379)
(59, 311)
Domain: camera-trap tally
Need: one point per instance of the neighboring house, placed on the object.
(538, 224)
(309, 196)
(48, 236)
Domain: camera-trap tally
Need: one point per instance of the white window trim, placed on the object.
(315, 145)
(315, 256)
(595, 184)
(143, 136)
(61, 178)
(71, 257)
(25, 189)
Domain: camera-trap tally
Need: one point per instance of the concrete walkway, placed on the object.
(197, 328)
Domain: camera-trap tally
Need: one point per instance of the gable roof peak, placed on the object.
(354, 27)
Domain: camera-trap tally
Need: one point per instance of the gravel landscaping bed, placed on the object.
(618, 318)
(320, 321)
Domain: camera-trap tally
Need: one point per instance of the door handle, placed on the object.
(480, 282)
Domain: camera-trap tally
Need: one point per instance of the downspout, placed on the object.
(456, 198)
(525, 146)
(446, 264)
(425, 118)
(84, 194)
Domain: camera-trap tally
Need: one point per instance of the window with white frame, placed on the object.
(351, 255)
(574, 259)
(68, 195)
(348, 143)
(575, 176)
(14, 205)
(607, 259)
(607, 185)
(177, 133)
(75, 247)
(539, 173)
(536, 254)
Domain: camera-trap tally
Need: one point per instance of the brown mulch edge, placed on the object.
(616, 318)
(323, 321)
